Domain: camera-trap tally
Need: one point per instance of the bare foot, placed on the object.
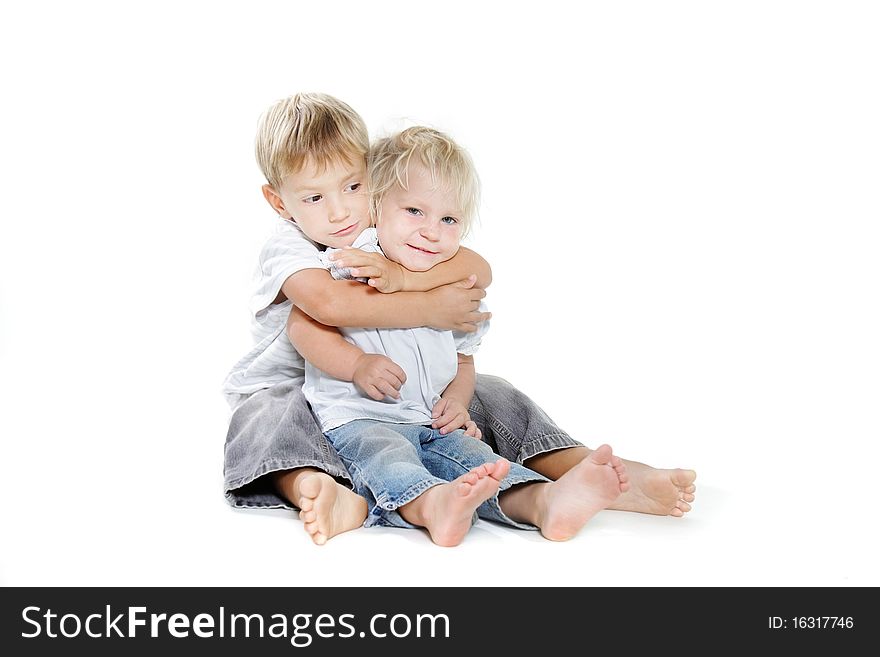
(328, 508)
(447, 510)
(661, 492)
(590, 486)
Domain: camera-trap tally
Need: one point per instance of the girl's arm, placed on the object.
(387, 276)
(325, 348)
(350, 303)
(450, 413)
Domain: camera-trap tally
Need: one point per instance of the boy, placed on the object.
(275, 454)
(424, 191)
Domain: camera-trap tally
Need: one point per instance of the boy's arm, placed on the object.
(450, 413)
(350, 303)
(462, 265)
(387, 276)
(327, 350)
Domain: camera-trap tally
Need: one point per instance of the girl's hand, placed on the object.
(378, 376)
(449, 415)
(384, 275)
(471, 429)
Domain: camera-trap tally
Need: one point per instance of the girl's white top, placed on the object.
(428, 357)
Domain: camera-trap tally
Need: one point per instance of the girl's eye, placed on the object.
(449, 220)
(353, 187)
(312, 199)
(414, 211)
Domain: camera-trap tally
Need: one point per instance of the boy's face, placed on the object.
(419, 227)
(330, 205)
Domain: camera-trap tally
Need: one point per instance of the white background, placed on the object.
(681, 209)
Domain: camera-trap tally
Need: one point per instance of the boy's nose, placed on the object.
(339, 211)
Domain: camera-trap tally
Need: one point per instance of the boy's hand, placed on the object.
(456, 306)
(384, 275)
(449, 415)
(378, 376)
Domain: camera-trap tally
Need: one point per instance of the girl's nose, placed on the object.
(431, 231)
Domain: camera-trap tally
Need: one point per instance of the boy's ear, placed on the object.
(275, 201)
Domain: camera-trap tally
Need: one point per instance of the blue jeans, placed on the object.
(274, 430)
(392, 464)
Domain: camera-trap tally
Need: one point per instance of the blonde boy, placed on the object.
(312, 150)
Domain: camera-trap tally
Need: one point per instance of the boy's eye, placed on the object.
(414, 211)
(354, 187)
(312, 199)
(449, 220)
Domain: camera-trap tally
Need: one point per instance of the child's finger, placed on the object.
(374, 392)
(473, 319)
(378, 282)
(387, 388)
(392, 379)
(468, 282)
(336, 256)
(437, 412)
(364, 271)
(396, 370)
(453, 424)
(351, 257)
(472, 430)
(451, 420)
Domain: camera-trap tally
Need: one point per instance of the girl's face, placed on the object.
(421, 226)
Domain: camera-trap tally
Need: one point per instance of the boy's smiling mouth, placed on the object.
(346, 230)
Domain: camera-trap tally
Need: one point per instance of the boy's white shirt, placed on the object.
(428, 356)
(273, 358)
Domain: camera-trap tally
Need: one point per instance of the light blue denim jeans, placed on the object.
(392, 464)
(274, 431)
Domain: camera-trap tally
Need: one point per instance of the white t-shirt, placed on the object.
(428, 357)
(273, 358)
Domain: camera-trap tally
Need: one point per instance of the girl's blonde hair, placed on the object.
(308, 127)
(449, 165)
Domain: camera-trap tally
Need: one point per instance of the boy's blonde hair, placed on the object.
(449, 165)
(308, 127)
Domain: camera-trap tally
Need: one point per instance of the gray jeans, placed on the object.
(275, 430)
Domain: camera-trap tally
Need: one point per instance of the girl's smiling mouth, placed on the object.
(420, 250)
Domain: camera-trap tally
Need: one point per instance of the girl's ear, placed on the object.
(274, 199)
